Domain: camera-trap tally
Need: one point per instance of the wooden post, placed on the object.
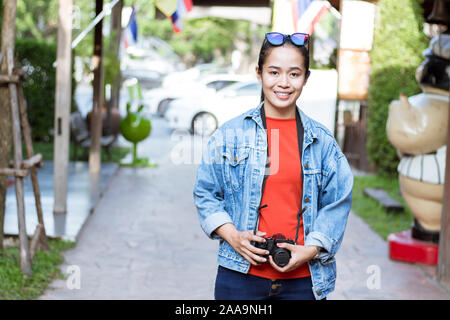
(13, 172)
(31, 163)
(116, 27)
(62, 106)
(36, 240)
(97, 105)
(24, 252)
(336, 112)
(7, 41)
(444, 237)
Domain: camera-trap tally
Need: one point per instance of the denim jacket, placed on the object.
(229, 181)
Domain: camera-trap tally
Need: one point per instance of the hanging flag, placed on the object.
(130, 33)
(188, 4)
(177, 22)
(132, 24)
(167, 7)
(291, 16)
(183, 7)
(310, 13)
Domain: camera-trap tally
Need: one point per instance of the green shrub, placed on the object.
(36, 57)
(396, 54)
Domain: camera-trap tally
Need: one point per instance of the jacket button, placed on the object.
(306, 199)
(312, 262)
(306, 166)
(319, 292)
(306, 231)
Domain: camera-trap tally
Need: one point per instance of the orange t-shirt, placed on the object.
(282, 194)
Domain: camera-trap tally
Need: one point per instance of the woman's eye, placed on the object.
(274, 72)
(293, 74)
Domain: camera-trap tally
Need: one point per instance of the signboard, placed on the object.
(354, 71)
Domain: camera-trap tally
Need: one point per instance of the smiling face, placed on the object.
(283, 76)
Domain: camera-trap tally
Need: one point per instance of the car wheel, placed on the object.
(204, 124)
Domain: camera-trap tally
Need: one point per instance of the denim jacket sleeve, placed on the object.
(209, 190)
(335, 200)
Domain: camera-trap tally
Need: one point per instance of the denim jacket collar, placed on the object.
(309, 134)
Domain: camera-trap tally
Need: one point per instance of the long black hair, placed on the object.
(267, 47)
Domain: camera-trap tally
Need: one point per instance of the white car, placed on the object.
(159, 98)
(202, 115)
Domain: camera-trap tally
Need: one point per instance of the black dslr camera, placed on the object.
(281, 256)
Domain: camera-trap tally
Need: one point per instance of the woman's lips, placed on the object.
(282, 95)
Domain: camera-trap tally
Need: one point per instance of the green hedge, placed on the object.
(395, 56)
(36, 57)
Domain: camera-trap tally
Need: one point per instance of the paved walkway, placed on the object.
(366, 272)
(143, 241)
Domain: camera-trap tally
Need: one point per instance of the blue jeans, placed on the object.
(234, 285)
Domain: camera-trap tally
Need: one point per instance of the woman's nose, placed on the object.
(283, 82)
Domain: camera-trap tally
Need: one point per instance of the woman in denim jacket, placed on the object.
(271, 171)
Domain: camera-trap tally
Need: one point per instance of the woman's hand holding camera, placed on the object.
(241, 242)
(299, 255)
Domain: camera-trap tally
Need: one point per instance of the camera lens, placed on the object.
(281, 257)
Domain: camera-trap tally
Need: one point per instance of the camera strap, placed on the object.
(300, 134)
(299, 214)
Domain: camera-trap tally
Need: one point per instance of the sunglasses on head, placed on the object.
(277, 39)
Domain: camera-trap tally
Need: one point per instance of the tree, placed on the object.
(7, 41)
(37, 19)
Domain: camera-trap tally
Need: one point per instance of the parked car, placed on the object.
(150, 61)
(147, 77)
(159, 98)
(192, 74)
(202, 115)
